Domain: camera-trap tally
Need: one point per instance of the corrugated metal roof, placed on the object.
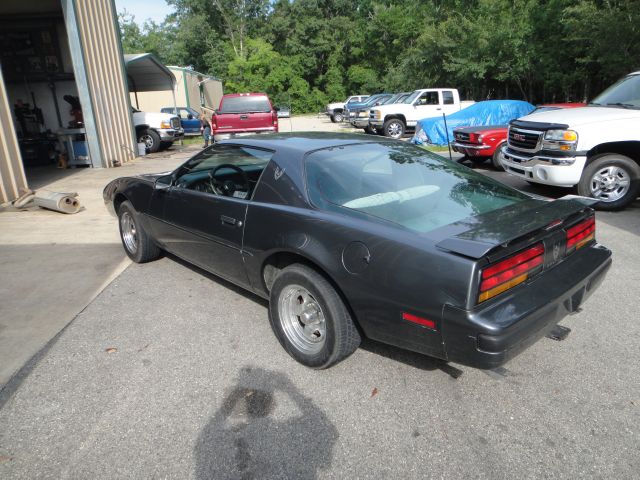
(147, 74)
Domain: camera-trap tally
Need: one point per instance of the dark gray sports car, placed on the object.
(351, 236)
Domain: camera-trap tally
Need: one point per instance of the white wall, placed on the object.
(44, 100)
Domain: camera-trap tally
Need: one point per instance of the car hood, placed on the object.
(480, 128)
(582, 116)
(152, 116)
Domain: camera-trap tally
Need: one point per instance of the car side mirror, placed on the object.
(189, 117)
(164, 182)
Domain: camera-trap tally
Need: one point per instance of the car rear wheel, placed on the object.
(136, 242)
(613, 179)
(496, 158)
(310, 319)
(393, 128)
(336, 117)
(151, 140)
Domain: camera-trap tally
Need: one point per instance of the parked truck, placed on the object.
(335, 111)
(396, 119)
(595, 148)
(156, 130)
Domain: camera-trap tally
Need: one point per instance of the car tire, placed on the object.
(151, 140)
(136, 241)
(370, 130)
(393, 128)
(495, 159)
(300, 294)
(337, 117)
(612, 178)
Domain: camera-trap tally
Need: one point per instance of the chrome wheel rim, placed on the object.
(147, 140)
(302, 319)
(129, 232)
(338, 117)
(610, 184)
(394, 130)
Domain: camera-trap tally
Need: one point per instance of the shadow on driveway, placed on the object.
(249, 438)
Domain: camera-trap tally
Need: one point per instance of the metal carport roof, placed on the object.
(147, 74)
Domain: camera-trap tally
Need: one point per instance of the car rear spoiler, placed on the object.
(479, 241)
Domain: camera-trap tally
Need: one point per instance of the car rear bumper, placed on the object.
(225, 136)
(488, 337)
(541, 169)
(472, 150)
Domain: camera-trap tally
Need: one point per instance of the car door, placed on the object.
(203, 227)
(190, 125)
(426, 105)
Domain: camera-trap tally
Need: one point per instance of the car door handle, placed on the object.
(230, 221)
(244, 117)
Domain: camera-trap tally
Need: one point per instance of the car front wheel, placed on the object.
(393, 128)
(613, 179)
(310, 319)
(336, 117)
(136, 242)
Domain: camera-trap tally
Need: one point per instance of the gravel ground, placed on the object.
(172, 373)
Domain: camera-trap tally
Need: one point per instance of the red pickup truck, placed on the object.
(243, 114)
(482, 142)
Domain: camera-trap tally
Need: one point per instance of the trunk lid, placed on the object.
(244, 122)
(513, 227)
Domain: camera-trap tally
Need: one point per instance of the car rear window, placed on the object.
(251, 103)
(403, 184)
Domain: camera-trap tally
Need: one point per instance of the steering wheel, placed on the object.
(228, 187)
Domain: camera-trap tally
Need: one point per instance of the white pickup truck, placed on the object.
(596, 148)
(394, 120)
(335, 111)
(156, 130)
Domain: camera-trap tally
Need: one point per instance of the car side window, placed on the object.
(428, 98)
(184, 113)
(224, 170)
(447, 97)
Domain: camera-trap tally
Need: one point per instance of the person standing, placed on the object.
(205, 128)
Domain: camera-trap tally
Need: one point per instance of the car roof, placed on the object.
(304, 142)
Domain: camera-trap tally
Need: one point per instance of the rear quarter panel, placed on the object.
(405, 273)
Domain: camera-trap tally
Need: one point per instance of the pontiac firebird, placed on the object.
(350, 236)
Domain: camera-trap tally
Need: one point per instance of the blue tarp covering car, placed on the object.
(491, 112)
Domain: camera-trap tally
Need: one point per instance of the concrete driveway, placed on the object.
(172, 373)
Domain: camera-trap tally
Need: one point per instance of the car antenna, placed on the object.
(446, 130)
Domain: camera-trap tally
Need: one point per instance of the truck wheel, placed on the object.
(151, 140)
(496, 158)
(336, 117)
(613, 179)
(393, 128)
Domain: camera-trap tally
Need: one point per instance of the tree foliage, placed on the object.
(308, 52)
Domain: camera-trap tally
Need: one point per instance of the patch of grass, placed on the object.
(195, 140)
(435, 148)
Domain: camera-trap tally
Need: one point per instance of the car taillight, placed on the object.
(506, 274)
(214, 123)
(581, 234)
(274, 119)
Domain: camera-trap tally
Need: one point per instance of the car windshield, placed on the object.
(403, 184)
(624, 93)
(245, 104)
(245, 158)
(412, 97)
